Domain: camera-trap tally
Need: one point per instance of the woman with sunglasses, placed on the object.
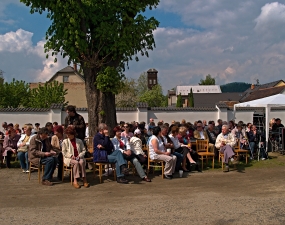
(127, 134)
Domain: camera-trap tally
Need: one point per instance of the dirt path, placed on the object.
(253, 196)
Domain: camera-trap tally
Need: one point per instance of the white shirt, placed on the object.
(175, 141)
(161, 148)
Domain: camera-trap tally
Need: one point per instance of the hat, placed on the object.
(137, 131)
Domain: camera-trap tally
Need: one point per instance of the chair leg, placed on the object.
(246, 158)
(114, 171)
(100, 173)
(94, 170)
(71, 175)
(202, 159)
(162, 170)
(30, 172)
(213, 164)
(62, 175)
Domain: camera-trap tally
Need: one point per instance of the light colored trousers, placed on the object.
(170, 162)
(78, 167)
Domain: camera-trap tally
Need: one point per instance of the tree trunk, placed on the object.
(101, 105)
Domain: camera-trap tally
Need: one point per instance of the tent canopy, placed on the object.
(272, 101)
(268, 102)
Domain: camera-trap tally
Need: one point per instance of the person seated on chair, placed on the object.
(184, 139)
(181, 148)
(240, 136)
(122, 144)
(225, 142)
(56, 142)
(102, 142)
(73, 151)
(157, 151)
(41, 152)
(137, 147)
(168, 144)
(23, 146)
(201, 134)
(10, 145)
(127, 133)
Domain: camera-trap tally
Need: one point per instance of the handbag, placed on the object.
(100, 156)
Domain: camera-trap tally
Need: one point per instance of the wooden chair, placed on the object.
(68, 169)
(132, 167)
(155, 163)
(238, 151)
(100, 169)
(221, 158)
(89, 144)
(40, 170)
(202, 148)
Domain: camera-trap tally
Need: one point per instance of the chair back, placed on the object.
(237, 145)
(202, 146)
(89, 143)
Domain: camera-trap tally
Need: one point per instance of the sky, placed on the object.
(234, 41)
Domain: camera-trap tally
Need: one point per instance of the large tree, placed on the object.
(128, 96)
(102, 36)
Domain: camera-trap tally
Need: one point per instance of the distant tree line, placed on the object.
(18, 94)
(235, 87)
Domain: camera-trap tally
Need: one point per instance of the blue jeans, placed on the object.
(24, 161)
(252, 146)
(50, 165)
(179, 160)
(138, 167)
(117, 158)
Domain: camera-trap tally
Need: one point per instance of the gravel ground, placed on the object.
(250, 196)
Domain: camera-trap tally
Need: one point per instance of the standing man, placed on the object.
(76, 121)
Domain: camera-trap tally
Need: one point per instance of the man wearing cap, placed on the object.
(277, 125)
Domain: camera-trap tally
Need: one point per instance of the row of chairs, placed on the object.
(202, 148)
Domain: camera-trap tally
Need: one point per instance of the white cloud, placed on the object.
(21, 60)
(235, 41)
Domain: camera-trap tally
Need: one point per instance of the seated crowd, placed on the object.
(56, 145)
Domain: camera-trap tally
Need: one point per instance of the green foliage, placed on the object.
(99, 31)
(179, 102)
(109, 80)
(235, 87)
(45, 95)
(153, 97)
(14, 94)
(142, 85)
(191, 99)
(165, 104)
(128, 95)
(208, 80)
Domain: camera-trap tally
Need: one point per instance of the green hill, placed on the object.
(235, 87)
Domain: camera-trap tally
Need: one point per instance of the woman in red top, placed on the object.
(73, 151)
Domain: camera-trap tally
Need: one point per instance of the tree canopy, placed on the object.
(209, 80)
(102, 36)
(18, 94)
(179, 102)
(154, 97)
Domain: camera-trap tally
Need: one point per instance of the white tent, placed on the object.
(268, 102)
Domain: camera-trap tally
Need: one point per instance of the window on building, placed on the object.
(150, 81)
(65, 79)
(154, 81)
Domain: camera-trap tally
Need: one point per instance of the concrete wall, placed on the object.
(141, 114)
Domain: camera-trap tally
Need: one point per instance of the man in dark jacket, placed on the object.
(75, 120)
(40, 152)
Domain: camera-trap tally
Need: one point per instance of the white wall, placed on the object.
(139, 115)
